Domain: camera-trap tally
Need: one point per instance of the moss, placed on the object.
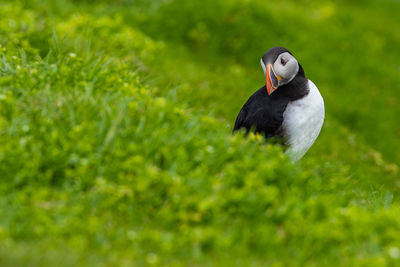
(116, 145)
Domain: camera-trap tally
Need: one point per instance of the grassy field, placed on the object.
(116, 145)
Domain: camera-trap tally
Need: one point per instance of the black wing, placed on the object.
(262, 113)
(240, 118)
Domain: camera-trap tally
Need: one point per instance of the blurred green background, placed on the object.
(116, 145)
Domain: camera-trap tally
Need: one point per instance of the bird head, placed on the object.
(280, 68)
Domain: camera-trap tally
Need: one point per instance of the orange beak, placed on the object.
(272, 80)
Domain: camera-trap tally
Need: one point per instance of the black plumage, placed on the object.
(262, 113)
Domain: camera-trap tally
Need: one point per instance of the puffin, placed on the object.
(288, 108)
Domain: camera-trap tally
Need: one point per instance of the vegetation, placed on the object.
(116, 145)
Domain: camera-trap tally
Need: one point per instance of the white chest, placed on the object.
(302, 122)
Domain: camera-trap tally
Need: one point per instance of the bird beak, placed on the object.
(272, 80)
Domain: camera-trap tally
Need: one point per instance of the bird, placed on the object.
(289, 107)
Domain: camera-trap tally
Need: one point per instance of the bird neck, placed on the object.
(296, 89)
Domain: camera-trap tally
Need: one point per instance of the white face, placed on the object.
(286, 67)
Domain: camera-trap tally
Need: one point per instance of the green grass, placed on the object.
(116, 145)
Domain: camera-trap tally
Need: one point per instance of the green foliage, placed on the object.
(116, 145)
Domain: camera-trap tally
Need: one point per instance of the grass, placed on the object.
(116, 145)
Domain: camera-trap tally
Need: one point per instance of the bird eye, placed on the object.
(283, 61)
